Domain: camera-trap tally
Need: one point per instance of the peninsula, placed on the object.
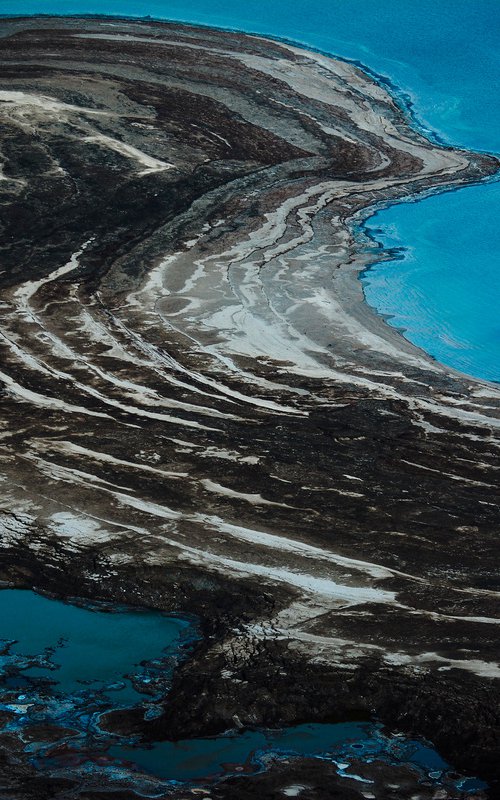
(200, 413)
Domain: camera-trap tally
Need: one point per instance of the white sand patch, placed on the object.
(41, 104)
(77, 450)
(148, 508)
(484, 669)
(220, 389)
(42, 401)
(26, 291)
(254, 499)
(285, 545)
(308, 584)
(70, 526)
(57, 472)
(225, 455)
(453, 477)
(149, 164)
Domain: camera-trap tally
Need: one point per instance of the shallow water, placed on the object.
(441, 292)
(89, 650)
(444, 57)
(197, 758)
(108, 657)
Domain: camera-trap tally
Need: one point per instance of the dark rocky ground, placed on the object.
(200, 414)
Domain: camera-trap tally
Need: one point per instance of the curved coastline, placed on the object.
(306, 528)
(407, 106)
(479, 336)
(404, 99)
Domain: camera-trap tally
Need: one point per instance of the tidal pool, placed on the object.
(343, 741)
(87, 648)
(344, 744)
(62, 665)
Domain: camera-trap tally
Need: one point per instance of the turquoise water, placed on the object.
(443, 293)
(86, 649)
(444, 57)
(70, 664)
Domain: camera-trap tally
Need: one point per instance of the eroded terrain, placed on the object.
(200, 413)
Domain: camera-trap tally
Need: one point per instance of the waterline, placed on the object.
(441, 293)
(441, 286)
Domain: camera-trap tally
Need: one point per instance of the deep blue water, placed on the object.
(105, 658)
(445, 57)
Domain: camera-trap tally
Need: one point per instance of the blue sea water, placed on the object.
(445, 58)
(440, 291)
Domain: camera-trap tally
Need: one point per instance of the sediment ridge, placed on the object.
(199, 411)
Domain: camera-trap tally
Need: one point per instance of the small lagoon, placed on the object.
(88, 649)
(63, 665)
